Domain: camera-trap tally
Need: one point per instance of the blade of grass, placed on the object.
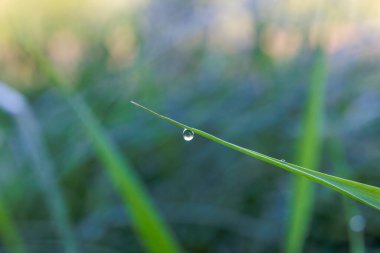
(367, 194)
(8, 232)
(17, 106)
(356, 238)
(150, 226)
(308, 155)
(152, 230)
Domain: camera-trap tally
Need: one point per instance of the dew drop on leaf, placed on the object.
(188, 135)
(283, 160)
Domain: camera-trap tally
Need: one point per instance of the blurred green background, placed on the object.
(241, 70)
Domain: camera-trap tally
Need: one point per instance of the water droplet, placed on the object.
(188, 135)
(283, 160)
(357, 223)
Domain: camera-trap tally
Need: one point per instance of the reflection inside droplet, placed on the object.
(188, 135)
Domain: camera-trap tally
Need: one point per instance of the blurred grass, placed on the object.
(30, 134)
(43, 167)
(308, 155)
(185, 59)
(342, 168)
(8, 232)
(152, 230)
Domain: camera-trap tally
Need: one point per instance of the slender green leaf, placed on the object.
(340, 165)
(42, 165)
(366, 194)
(152, 230)
(308, 155)
(8, 233)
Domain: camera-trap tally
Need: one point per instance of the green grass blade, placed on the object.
(8, 233)
(308, 155)
(150, 227)
(356, 238)
(366, 194)
(31, 135)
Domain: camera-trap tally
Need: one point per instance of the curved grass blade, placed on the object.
(367, 194)
(149, 225)
(16, 105)
(152, 229)
(308, 155)
(351, 210)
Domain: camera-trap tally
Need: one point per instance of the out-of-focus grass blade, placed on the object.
(367, 194)
(152, 230)
(8, 233)
(16, 105)
(308, 155)
(356, 236)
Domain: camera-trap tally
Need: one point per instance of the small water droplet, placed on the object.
(357, 223)
(283, 160)
(188, 135)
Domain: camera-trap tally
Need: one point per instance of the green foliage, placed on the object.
(357, 244)
(152, 230)
(367, 194)
(149, 225)
(254, 93)
(308, 155)
(8, 233)
(34, 145)
(44, 169)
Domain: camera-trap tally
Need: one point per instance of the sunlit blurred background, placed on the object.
(240, 70)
